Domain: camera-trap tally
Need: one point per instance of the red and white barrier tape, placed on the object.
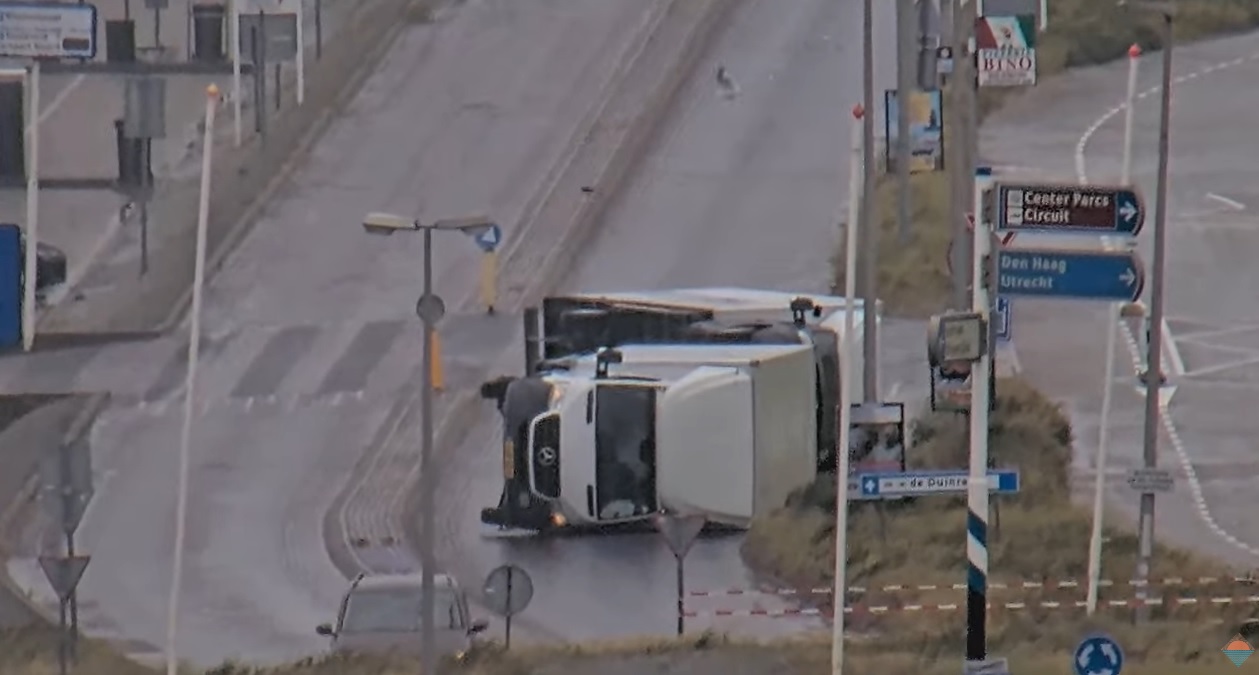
(1024, 585)
(948, 607)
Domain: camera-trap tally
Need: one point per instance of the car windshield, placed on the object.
(395, 610)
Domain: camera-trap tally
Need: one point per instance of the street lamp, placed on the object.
(430, 308)
(1154, 350)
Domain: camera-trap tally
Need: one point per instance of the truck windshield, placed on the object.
(625, 451)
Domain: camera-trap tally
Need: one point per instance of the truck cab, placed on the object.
(607, 375)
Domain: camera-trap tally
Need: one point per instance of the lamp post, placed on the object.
(1154, 351)
(430, 308)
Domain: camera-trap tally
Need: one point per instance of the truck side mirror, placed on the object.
(324, 629)
(478, 626)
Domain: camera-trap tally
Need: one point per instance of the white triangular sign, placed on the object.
(679, 532)
(64, 573)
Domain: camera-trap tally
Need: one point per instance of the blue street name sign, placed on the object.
(1003, 320)
(1069, 208)
(916, 483)
(1086, 275)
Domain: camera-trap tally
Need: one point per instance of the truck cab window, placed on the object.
(625, 451)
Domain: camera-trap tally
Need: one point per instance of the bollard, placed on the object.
(489, 281)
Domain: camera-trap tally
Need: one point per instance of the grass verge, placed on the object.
(1036, 536)
(913, 278)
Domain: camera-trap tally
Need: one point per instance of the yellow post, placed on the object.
(439, 376)
(489, 281)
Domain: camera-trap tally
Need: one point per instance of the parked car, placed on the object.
(381, 613)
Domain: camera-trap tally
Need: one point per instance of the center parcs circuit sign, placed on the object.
(47, 30)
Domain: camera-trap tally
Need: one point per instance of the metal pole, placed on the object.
(318, 29)
(278, 90)
(428, 660)
(62, 640)
(157, 27)
(233, 32)
(194, 348)
(507, 619)
(301, 53)
(144, 206)
(869, 229)
(681, 595)
(846, 394)
(955, 149)
(32, 208)
(73, 602)
(1154, 355)
(905, 66)
(1103, 432)
(977, 483)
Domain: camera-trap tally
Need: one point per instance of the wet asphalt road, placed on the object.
(1212, 287)
(310, 333)
(740, 192)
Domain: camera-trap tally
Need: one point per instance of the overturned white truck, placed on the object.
(718, 401)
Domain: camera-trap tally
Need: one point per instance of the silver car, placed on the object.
(381, 613)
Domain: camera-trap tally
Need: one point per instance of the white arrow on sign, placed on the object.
(1128, 211)
(1128, 277)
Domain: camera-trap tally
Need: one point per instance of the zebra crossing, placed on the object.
(257, 367)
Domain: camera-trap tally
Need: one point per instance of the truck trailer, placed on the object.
(715, 401)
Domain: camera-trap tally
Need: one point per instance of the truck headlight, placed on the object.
(558, 519)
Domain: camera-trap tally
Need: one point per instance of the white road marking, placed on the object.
(1231, 203)
(1182, 454)
(1222, 367)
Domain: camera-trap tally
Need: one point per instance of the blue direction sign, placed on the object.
(1003, 320)
(1069, 208)
(488, 238)
(1097, 655)
(914, 483)
(1087, 275)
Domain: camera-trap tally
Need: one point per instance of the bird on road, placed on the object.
(726, 84)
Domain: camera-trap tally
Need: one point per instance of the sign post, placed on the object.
(508, 590)
(679, 533)
(488, 239)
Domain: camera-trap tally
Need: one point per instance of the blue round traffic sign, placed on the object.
(1097, 655)
(489, 238)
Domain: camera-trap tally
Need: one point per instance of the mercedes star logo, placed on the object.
(547, 456)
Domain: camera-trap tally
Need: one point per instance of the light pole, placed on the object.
(1154, 352)
(194, 349)
(430, 309)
